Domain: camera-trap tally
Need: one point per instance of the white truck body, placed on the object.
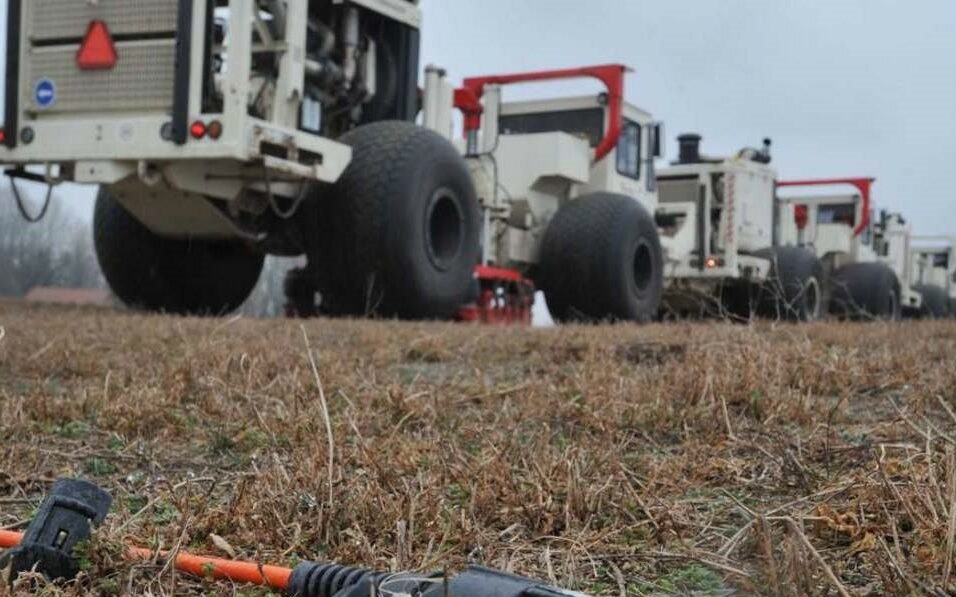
(718, 221)
(128, 125)
(714, 217)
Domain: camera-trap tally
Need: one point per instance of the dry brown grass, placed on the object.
(613, 460)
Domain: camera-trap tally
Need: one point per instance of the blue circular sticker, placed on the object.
(44, 93)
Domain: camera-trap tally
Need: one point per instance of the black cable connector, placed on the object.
(331, 580)
(478, 581)
(310, 579)
(65, 519)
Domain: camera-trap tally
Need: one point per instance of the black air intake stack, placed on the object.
(763, 156)
(689, 148)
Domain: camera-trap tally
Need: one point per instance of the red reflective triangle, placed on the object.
(97, 51)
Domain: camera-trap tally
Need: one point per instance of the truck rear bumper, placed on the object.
(135, 139)
(687, 268)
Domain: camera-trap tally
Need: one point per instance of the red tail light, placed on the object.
(198, 129)
(3, 136)
(97, 52)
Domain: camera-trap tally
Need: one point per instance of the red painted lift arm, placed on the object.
(468, 97)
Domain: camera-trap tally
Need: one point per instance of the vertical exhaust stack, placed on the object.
(689, 148)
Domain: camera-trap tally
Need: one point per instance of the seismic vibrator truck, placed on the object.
(719, 221)
(867, 259)
(568, 193)
(220, 131)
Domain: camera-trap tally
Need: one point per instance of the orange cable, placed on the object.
(274, 577)
(10, 539)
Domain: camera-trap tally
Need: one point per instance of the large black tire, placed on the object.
(796, 289)
(935, 302)
(601, 260)
(399, 234)
(186, 277)
(865, 291)
(952, 307)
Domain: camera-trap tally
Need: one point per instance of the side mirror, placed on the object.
(657, 142)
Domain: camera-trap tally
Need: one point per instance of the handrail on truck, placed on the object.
(864, 185)
(468, 97)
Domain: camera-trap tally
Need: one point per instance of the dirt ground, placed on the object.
(676, 459)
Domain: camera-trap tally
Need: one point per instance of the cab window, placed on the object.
(585, 124)
(844, 213)
(629, 150)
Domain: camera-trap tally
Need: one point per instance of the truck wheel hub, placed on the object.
(643, 267)
(444, 228)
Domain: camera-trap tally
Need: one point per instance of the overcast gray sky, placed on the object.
(844, 87)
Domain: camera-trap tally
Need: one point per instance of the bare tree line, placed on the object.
(58, 251)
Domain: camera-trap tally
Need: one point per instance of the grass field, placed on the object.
(674, 459)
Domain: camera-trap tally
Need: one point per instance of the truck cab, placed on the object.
(934, 274)
(934, 262)
(835, 226)
(565, 128)
(628, 169)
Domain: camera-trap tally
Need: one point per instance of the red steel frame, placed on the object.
(864, 185)
(505, 298)
(468, 97)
